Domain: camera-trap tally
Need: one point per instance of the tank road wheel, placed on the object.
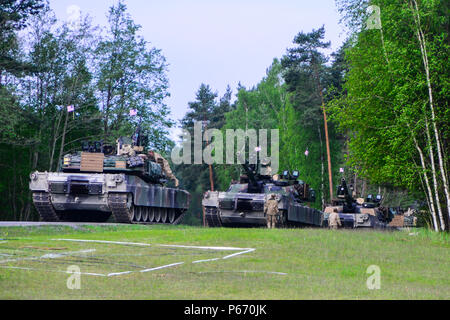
(132, 213)
(145, 211)
(171, 215)
(158, 215)
(138, 214)
(131, 208)
(164, 215)
(151, 215)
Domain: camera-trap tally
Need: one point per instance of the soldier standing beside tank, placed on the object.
(334, 222)
(156, 157)
(271, 211)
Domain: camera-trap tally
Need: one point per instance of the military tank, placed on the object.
(358, 213)
(402, 218)
(242, 205)
(95, 183)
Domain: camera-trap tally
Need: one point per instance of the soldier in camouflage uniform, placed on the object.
(156, 157)
(271, 211)
(334, 222)
(125, 147)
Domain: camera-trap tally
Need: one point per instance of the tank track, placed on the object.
(178, 220)
(44, 207)
(117, 202)
(212, 217)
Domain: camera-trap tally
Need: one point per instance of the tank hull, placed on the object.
(128, 198)
(362, 218)
(225, 209)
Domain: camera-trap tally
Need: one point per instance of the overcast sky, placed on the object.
(217, 42)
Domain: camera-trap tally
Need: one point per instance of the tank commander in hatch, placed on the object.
(266, 169)
(125, 147)
(156, 157)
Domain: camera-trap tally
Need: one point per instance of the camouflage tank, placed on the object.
(97, 182)
(242, 205)
(357, 213)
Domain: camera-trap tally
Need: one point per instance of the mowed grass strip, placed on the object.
(287, 263)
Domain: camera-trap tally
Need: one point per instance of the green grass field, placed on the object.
(286, 263)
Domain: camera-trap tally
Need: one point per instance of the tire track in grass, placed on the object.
(241, 251)
(140, 244)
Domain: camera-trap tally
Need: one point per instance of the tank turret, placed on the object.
(254, 178)
(128, 159)
(344, 198)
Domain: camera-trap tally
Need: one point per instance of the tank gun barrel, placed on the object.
(254, 184)
(136, 138)
(343, 192)
(250, 173)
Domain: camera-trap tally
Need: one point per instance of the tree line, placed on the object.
(65, 82)
(394, 103)
(381, 101)
(383, 96)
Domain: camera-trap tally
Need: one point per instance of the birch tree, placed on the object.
(396, 103)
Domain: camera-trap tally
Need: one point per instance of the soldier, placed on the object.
(271, 211)
(156, 157)
(334, 222)
(384, 212)
(265, 169)
(125, 147)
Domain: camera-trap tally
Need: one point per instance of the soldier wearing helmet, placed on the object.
(156, 157)
(271, 211)
(334, 222)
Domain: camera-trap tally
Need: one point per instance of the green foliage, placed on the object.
(277, 104)
(257, 108)
(130, 76)
(195, 177)
(386, 105)
(308, 78)
(375, 90)
(62, 65)
(13, 17)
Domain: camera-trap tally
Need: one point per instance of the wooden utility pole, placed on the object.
(330, 177)
(327, 140)
(204, 217)
(211, 180)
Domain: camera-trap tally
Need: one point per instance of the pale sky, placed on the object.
(217, 42)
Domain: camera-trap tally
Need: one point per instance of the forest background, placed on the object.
(384, 94)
